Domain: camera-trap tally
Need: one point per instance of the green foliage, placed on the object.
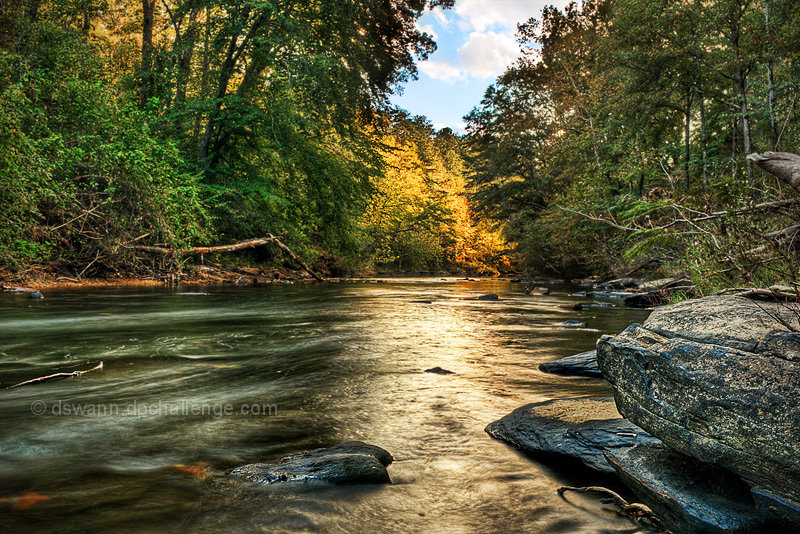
(625, 126)
(195, 122)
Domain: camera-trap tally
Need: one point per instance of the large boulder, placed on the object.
(729, 321)
(693, 377)
(583, 364)
(577, 428)
(691, 497)
(349, 462)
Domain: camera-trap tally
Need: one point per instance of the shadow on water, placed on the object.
(324, 364)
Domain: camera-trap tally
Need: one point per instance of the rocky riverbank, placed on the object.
(709, 437)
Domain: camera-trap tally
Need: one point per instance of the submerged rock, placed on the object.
(716, 402)
(583, 364)
(573, 324)
(575, 306)
(578, 428)
(351, 462)
(490, 296)
(690, 496)
(622, 295)
(538, 291)
(439, 371)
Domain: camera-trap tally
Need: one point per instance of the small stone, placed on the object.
(349, 462)
(439, 371)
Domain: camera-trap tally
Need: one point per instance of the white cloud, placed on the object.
(484, 55)
(480, 15)
(427, 28)
(488, 54)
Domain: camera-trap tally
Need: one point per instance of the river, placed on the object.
(197, 381)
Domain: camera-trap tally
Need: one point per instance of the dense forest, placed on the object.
(617, 144)
(619, 141)
(177, 123)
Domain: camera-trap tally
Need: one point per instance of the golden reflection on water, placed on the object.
(340, 361)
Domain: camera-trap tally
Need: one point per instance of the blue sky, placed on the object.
(476, 42)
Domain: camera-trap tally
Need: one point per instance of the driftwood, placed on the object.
(56, 376)
(635, 511)
(242, 245)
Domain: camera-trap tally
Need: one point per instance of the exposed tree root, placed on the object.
(635, 511)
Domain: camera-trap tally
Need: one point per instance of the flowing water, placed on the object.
(184, 371)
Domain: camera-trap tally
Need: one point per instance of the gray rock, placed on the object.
(780, 344)
(573, 324)
(349, 462)
(730, 321)
(583, 364)
(719, 404)
(490, 296)
(690, 496)
(578, 428)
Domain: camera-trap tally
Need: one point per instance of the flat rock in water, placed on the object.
(352, 462)
(490, 296)
(578, 428)
(719, 404)
(583, 364)
(690, 496)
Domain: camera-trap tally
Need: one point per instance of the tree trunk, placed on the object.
(32, 10)
(184, 65)
(687, 139)
(703, 140)
(746, 138)
(773, 129)
(148, 19)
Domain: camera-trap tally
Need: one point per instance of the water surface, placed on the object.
(322, 364)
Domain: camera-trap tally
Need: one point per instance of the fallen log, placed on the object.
(242, 245)
(55, 376)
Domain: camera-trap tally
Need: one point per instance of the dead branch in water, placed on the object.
(634, 511)
(56, 376)
(242, 245)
